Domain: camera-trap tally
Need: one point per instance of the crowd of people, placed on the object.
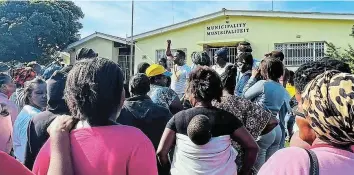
(253, 116)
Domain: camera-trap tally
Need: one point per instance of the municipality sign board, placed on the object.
(227, 29)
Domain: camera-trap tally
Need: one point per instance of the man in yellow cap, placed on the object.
(159, 93)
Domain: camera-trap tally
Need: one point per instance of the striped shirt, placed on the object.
(180, 75)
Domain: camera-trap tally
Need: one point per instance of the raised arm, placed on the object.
(168, 49)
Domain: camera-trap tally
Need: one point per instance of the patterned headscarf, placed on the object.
(329, 100)
(22, 75)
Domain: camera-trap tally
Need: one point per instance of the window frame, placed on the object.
(298, 53)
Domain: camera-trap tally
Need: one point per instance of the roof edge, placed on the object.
(94, 35)
(225, 12)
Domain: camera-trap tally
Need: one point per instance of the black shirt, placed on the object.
(37, 135)
(222, 122)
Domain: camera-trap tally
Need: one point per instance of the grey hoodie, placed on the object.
(141, 112)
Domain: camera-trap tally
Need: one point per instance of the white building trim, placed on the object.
(271, 14)
(99, 35)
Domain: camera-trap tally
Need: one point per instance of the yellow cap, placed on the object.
(156, 69)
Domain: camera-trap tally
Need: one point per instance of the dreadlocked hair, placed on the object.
(308, 71)
(204, 84)
(94, 89)
(228, 79)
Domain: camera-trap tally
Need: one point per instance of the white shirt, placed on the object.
(219, 69)
(20, 131)
(179, 78)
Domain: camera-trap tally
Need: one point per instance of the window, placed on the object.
(300, 53)
(161, 53)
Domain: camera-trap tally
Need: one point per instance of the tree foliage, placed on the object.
(346, 55)
(33, 30)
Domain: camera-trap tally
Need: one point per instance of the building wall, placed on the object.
(115, 53)
(103, 47)
(262, 33)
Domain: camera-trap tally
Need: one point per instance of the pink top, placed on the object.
(6, 123)
(105, 150)
(9, 165)
(296, 161)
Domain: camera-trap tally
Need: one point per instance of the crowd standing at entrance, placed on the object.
(217, 117)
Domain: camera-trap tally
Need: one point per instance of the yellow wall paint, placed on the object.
(263, 34)
(104, 48)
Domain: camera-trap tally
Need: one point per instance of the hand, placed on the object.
(256, 72)
(61, 124)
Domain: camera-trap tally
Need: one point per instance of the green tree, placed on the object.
(346, 55)
(34, 30)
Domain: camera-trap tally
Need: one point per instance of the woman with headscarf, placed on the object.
(327, 104)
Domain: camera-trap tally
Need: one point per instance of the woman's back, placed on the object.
(296, 161)
(267, 93)
(106, 150)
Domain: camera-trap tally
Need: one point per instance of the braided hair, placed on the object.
(308, 71)
(204, 84)
(228, 79)
(94, 89)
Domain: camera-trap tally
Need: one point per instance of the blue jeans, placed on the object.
(268, 144)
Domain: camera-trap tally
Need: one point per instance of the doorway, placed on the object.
(231, 55)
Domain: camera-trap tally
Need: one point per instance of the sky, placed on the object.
(114, 17)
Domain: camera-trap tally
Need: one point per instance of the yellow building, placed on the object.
(301, 36)
(107, 46)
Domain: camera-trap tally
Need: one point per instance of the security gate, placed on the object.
(124, 63)
(231, 55)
